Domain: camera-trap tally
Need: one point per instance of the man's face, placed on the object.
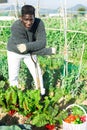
(28, 20)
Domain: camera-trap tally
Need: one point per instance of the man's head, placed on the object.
(27, 15)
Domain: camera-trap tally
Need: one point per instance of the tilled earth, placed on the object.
(16, 119)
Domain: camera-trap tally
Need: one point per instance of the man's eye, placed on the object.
(26, 19)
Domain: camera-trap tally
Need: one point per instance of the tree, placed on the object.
(81, 11)
(3, 1)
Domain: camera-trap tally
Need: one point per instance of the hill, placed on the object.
(76, 7)
(43, 11)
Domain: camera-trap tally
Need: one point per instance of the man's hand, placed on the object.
(21, 47)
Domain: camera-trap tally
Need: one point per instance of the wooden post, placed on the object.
(16, 8)
(65, 37)
(37, 8)
(80, 64)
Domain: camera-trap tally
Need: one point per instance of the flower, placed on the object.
(50, 127)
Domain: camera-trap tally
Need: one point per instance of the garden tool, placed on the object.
(36, 70)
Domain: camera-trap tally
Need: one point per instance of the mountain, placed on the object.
(76, 7)
(7, 7)
(44, 11)
(55, 11)
(48, 11)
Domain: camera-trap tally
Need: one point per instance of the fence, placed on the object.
(64, 17)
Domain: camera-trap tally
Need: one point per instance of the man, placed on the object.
(23, 44)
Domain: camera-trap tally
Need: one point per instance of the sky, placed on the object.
(51, 4)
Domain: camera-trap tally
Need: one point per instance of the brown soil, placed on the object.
(16, 119)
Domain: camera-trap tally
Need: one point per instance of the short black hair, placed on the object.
(27, 9)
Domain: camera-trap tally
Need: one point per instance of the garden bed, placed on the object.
(18, 121)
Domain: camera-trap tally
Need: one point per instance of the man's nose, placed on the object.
(29, 22)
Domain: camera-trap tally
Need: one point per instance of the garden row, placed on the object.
(61, 89)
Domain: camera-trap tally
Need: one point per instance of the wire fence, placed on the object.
(10, 12)
(63, 17)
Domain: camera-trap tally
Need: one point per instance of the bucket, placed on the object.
(69, 126)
